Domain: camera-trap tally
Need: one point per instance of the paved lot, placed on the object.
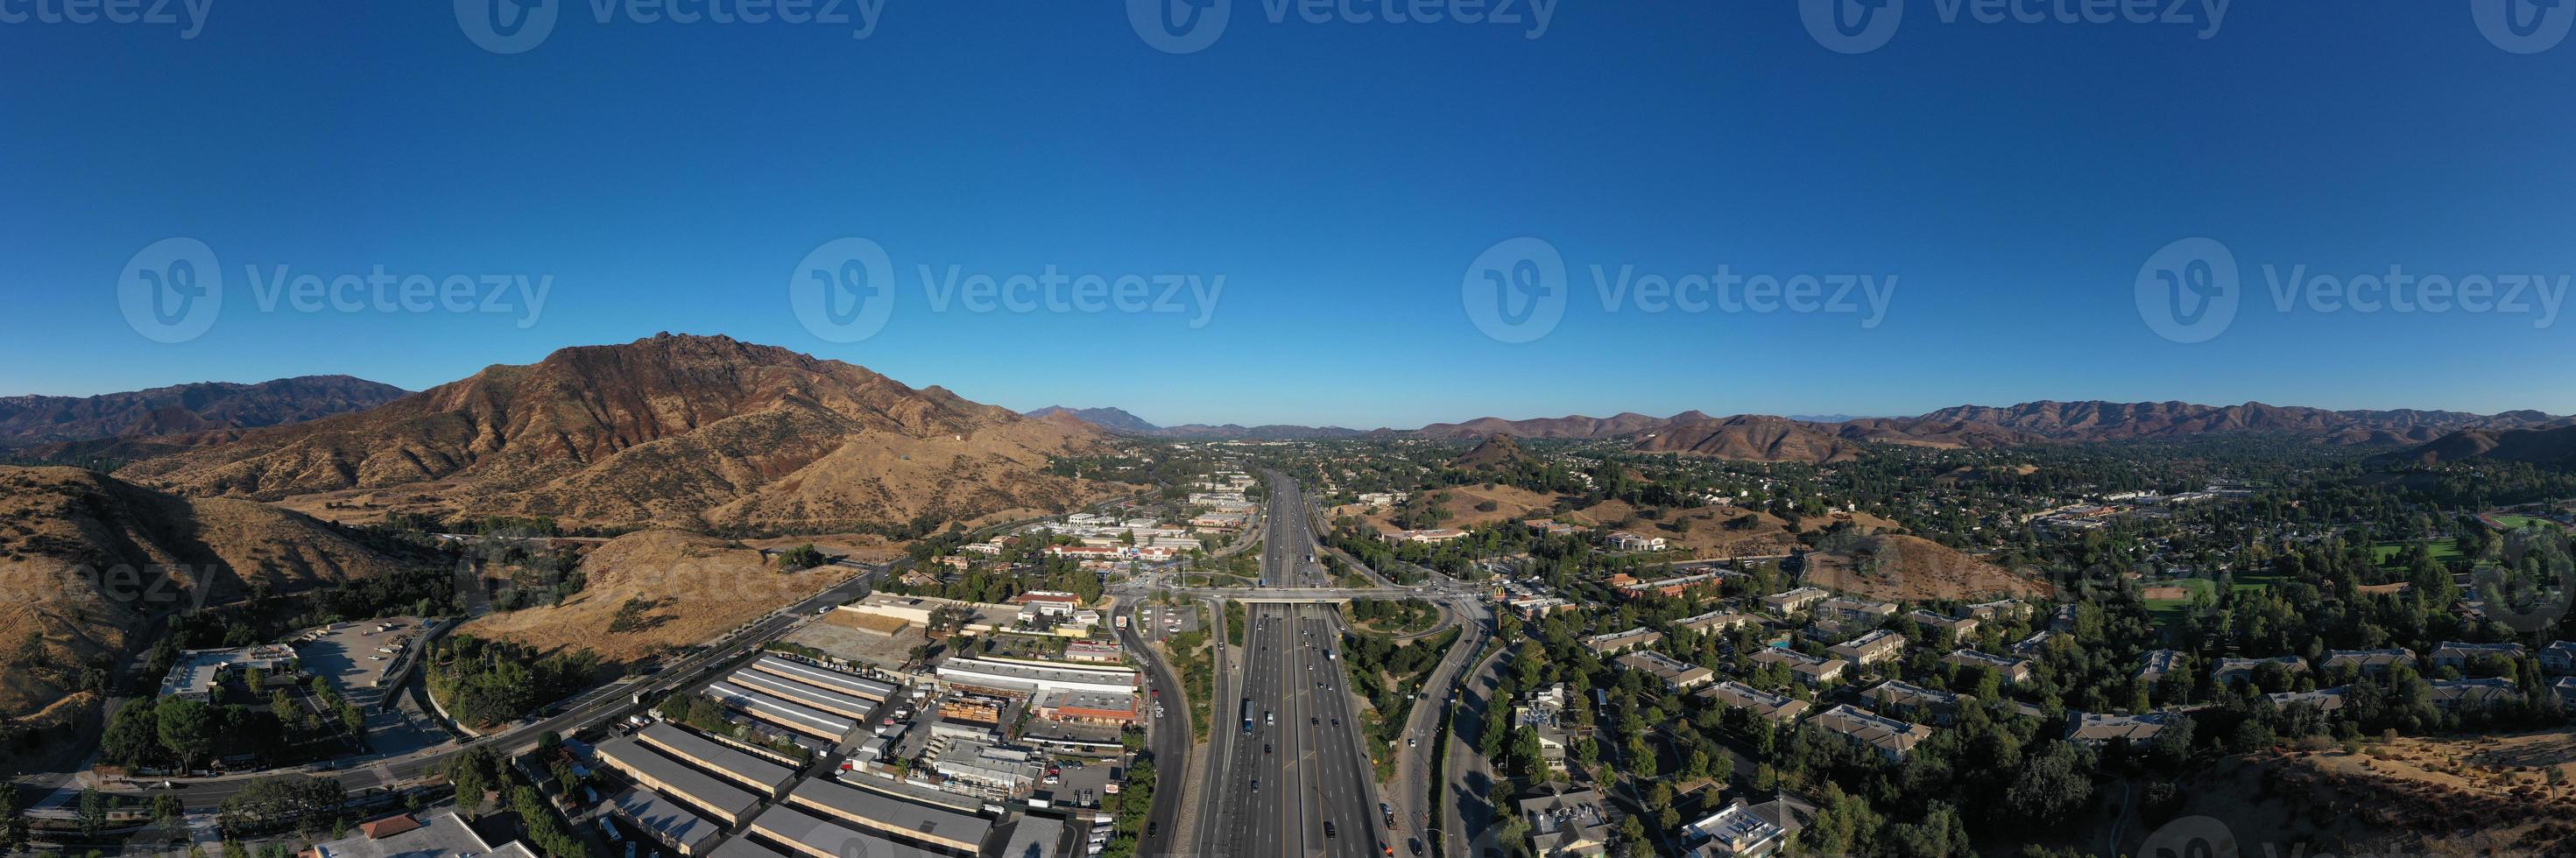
(347, 655)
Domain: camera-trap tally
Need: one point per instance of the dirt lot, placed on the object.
(686, 589)
(1510, 503)
(1910, 569)
(2455, 796)
(839, 633)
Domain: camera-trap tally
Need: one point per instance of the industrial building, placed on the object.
(828, 680)
(801, 719)
(845, 705)
(671, 778)
(935, 827)
(808, 834)
(675, 826)
(765, 777)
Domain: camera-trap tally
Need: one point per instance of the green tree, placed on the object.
(93, 812)
(186, 729)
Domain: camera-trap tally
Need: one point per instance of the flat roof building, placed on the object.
(1025, 679)
(801, 719)
(409, 836)
(762, 776)
(824, 678)
(931, 826)
(667, 821)
(669, 777)
(849, 706)
(808, 834)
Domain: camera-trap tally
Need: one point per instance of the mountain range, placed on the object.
(670, 430)
(28, 421)
(1768, 438)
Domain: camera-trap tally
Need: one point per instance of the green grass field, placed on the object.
(2394, 553)
(2167, 611)
(2518, 522)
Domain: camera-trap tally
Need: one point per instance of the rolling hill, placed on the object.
(94, 564)
(672, 429)
(2554, 447)
(211, 406)
(1751, 438)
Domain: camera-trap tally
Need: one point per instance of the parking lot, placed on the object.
(349, 655)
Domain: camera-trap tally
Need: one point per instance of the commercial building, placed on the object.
(824, 678)
(844, 705)
(668, 776)
(666, 821)
(198, 672)
(1026, 678)
(762, 776)
(406, 836)
(934, 827)
(807, 834)
(743, 847)
(1573, 822)
(821, 725)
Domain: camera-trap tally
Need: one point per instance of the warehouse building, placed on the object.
(675, 826)
(844, 705)
(934, 827)
(762, 776)
(808, 834)
(671, 778)
(822, 725)
(828, 680)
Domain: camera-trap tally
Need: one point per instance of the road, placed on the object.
(1168, 738)
(1301, 767)
(1468, 821)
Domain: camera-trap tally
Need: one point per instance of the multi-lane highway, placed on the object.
(1297, 783)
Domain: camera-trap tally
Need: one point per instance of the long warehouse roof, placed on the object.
(737, 695)
(733, 763)
(937, 824)
(824, 837)
(799, 693)
(663, 816)
(832, 679)
(687, 784)
(742, 847)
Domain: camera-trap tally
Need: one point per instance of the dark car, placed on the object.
(1328, 830)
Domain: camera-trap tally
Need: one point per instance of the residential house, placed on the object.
(1853, 614)
(1809, 669)
(2367, 662)
(2234, 670)
(1574, 822)
(2013, 671)
(2559, 657)
(1775, 707)
(1794, 601)
(1675, 674)
(1891, 738)
(2474, 693)
(1960, 628)
(2158, 663)
(2096, 729)
(1619, 642)
(1871, 648)
(2456, 655)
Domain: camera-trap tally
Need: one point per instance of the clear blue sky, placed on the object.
(1341, 176)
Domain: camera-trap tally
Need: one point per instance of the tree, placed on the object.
(186, 729)
(93, 812)
(13, 819)
(2050, 786)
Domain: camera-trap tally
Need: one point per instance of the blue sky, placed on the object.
(1340, 176)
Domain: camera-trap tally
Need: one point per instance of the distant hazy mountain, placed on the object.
(1112, 419)
(2537, 446)
(1573, 426)
(185, 408)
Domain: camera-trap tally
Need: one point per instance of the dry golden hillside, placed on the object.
(673, 430)
(91, 565)
(2509, 794)
(1891, 567)
(686, 589)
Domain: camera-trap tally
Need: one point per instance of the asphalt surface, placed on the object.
(1168, 738)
